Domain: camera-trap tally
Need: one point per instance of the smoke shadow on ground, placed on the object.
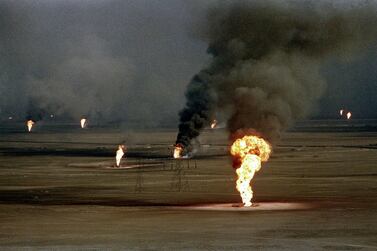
(70, 195)
(79, 196)
(96, 152)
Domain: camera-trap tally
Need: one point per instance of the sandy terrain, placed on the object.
(59, 190)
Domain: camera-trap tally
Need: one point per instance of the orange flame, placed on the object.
(349, 114)
(341, 112)
(119, 154)
(177, 151)
(251, 151)
(213, 124)
(29, 124)
(83, 122)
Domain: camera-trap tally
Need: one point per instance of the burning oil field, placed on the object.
(106, 143)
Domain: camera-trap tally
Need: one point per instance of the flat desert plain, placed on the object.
(60, 190)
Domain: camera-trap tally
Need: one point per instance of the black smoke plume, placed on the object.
(197, 113)
(266, 62)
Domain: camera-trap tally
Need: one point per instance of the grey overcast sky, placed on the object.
(128, 61)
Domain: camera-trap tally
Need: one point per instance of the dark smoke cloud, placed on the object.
(108, 60)
(266, 61)
(129, 61)
(198, 109)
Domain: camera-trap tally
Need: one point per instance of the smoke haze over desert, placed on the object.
(188, 125)
(73, 59)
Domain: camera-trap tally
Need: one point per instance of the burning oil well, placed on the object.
(83, 122)
(265, 68)
(119, 154)
(29, 124)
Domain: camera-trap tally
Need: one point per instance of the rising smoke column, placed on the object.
(198, 110)
(266, 62)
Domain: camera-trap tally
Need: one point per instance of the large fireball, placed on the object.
(249, 151)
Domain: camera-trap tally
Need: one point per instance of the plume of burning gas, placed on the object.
(29, 124)
(83, 122)
(177, 152)
(266, 61)
(119, 154)
(347, 113)
(214, 124)
(248, 153)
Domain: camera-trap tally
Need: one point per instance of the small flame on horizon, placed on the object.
(177, 151)
(213, 124)
(119, 154)
(29, 124)
(349, 114)
(250, 151)
(83, 122)
(341, 112)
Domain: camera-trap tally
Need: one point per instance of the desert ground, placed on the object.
(59, 190)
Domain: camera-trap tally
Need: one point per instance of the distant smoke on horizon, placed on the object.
(265, 70)
(128, 62)
(107, 60)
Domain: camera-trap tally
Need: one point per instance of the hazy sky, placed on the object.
(128, 61)
(352, 85)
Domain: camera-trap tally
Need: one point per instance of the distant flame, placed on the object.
(119, 154)
(341, 112)
(250, 151)
(214, 123)
(349, 114)
(177, 151)
(29, 124)
(83, 122)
